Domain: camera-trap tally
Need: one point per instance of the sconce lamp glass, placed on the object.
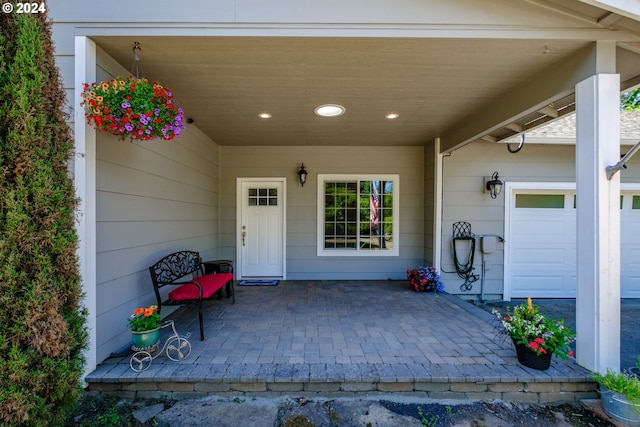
(494, 186)
(302, 175)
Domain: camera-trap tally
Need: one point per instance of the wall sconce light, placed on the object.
(302, 175)
(494, 185)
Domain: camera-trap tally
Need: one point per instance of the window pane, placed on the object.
(635, 204)
(358, 215)
(540, 201)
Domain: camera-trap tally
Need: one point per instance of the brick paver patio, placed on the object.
(342, 338)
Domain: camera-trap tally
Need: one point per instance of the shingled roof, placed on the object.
(563, 130)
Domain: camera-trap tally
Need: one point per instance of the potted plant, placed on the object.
(536, 336)
(132, 107)
(145, 327)
(620, 394)
(425, 279)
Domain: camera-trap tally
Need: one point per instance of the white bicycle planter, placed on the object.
(177, 348)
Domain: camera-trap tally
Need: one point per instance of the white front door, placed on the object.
(261, 227)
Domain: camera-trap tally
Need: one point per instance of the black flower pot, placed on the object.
(530, 359)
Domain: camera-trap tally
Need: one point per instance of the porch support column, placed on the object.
(598, 219)
(84, 175)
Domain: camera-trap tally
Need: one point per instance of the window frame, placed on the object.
(357, 252)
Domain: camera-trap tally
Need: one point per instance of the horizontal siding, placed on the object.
(302, 212)
(152, 198)
(440, 12)
(464, 199)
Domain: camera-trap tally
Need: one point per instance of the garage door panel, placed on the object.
(542, 256)
(540, 229)
(542, 249)
(630, 253)
(546, 286)
(630, 257)
(631, 288)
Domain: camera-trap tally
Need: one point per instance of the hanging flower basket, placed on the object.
(132, 107)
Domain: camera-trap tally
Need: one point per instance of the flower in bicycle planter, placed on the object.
(527, 326)
(425, 279)
(144, 319)
(134, 108)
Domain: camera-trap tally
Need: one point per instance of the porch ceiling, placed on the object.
(223, 83)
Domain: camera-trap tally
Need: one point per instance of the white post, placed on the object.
(437, 214)
(598, 223)
(85, 184)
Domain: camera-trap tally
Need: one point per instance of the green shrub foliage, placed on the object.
(42, 324)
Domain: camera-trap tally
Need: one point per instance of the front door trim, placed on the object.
(239, 213)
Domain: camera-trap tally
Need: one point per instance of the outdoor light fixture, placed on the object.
(494, 186)
(302, 175)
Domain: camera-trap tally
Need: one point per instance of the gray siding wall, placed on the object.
(464, 200)
(153, 198)
(302, 261)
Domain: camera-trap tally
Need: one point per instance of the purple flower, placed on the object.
(125, 105)
(128, 127)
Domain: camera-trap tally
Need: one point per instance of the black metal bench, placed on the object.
(185, 270)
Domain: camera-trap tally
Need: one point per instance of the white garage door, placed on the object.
(542, 247)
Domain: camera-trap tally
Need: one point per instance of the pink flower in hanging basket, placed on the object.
(134, 108)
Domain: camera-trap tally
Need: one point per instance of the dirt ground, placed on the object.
(113, 411)
(501, 413)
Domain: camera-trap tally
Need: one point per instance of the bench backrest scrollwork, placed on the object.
(175, 266)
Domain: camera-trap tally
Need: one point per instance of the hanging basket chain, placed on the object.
(136, 68)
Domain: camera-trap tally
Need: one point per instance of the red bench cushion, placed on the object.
(211, 283)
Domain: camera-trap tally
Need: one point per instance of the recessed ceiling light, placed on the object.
(329, 110)
(392, 116)
(264, 115)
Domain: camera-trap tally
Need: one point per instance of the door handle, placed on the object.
(244, 234)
